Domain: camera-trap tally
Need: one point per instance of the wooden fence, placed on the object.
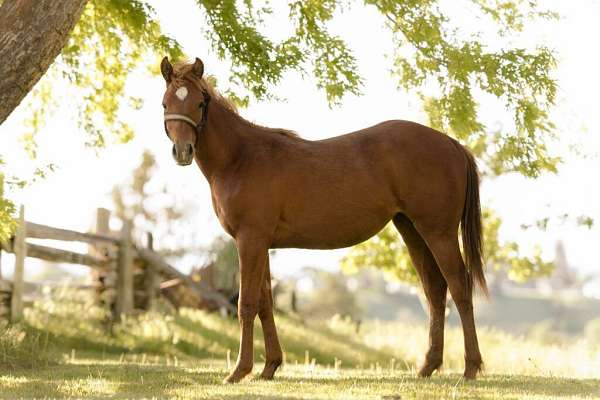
(129, 262)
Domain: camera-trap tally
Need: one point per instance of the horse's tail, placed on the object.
(471, 226)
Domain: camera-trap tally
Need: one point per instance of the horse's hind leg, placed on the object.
(445, 249)
(435, 289)
(274, 356)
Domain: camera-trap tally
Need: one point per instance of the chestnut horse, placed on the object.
(273, 189)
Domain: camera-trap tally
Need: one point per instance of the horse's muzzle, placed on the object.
(183, 153)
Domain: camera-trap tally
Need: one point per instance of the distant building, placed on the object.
(563, 276)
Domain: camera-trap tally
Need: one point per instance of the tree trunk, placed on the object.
(32, 34)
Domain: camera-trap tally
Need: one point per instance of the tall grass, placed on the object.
(22, 347)
(503, 353)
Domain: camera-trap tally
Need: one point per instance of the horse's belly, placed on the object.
(329, 230)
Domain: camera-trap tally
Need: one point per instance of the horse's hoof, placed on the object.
(230, 379)
(428, 368)
(236, 376)
(470, 374)
(267, 374)
(471, 370)
(269, 370)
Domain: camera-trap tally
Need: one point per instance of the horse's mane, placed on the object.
(183, 72)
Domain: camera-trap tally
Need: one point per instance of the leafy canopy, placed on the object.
(451, 69)
(447, 65)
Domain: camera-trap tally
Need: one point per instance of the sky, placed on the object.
(68, 197)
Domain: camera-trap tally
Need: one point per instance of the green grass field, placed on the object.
(62, 350)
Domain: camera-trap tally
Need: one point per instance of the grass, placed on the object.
(62, 350)
(110, 378)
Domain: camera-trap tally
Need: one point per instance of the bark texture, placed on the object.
(32, 34)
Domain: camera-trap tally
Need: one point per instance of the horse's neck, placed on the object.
(222, 140)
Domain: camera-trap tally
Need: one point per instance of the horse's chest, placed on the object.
(223, 216)
(226, 199)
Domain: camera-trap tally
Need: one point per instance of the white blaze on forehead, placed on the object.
(181, 93)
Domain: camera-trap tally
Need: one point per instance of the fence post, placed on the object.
(150, 277)
(124, 303)
(1, 197)
(20, 250)
(102, 228)
(104, 277)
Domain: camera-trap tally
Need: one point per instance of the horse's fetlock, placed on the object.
(474, 362)
(275, 361)
(245, 368)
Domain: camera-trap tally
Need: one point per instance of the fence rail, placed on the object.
(63, 256)
(37, 231)
(123, 260)
(200, 288)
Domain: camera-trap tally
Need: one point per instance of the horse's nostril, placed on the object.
(183, 153)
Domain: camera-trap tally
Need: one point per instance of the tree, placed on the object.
(387, 252)
(144, 202)
(32, 34)
(446, 65)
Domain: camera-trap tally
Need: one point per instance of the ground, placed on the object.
(96, 378)
(63, 350)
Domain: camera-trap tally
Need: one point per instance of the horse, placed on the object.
(271, 189)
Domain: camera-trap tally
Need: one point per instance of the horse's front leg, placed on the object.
(274, 356)
(253, 253)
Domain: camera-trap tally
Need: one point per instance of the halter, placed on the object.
(181, 117)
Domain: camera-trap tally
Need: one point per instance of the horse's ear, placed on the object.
(166, 69)
(198, 68)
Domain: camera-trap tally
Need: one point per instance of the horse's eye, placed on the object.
(201, 105)
(164, 106)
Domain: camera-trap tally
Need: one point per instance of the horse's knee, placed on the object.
(247, 311)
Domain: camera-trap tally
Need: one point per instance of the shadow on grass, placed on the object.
(101, 381)
(67, 342)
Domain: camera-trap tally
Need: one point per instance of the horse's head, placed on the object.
(185, 103)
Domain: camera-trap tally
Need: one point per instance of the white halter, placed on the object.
(181, 117)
